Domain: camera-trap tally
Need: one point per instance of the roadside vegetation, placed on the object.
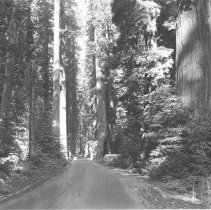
(141, 90)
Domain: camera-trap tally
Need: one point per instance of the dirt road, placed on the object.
(84, 185)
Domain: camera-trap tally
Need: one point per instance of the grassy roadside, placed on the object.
(21, 181)
(154, 194)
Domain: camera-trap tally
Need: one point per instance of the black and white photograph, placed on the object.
(105, 104)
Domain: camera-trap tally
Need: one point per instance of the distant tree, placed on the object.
(69, 51)
(9, 42)
(31, 78)
(102, 35)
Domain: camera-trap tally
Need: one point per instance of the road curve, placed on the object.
(85, 185)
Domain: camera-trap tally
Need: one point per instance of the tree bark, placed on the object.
(101, 110)
(110, 99)
(101, 119)
(46, 79)
(68, 103)
(74, 99)
(193, 55)
(32, 107)
(71, 98)
(56, 70)
(62, 83)
(31, 92)
(9, 70)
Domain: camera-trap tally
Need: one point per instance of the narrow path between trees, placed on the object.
(84, 185)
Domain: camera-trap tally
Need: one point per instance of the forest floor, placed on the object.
(18, 183)
(89, 185)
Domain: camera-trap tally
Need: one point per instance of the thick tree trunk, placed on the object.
(99, 79)
(62, 79)
(59, 89)
(32, 107)
(71, 99)
(46, 79)
(193, 55)
(6, 95)
(2, 45)
(56, 70)
(69, 109)
(110, 100)
(9, 70)
(101, 111)
(31, 92)
(74, 99)
(110, 112)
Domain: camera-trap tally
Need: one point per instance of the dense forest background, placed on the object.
(142, 91)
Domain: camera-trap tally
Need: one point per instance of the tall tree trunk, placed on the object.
(2, 48)
(9, 70)
(6, 101)
(74, 98)
(110, 115)
(29, 51)
(63, 121)
(71, 96)
(110, 99)
(46, 79)
(69, 101)
(193, 55)
(100, 101)
(3, 13)
(74, 110)
(56, 70)
(32, 107)
(101, 110)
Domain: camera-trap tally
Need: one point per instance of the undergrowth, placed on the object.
(174, 146)
(27, 172)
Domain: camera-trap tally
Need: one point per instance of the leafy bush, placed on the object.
(194, 156)
(130, 149)
(41, 160)
(5, 168)
(163, 120)
(8, 145)
(183, 139)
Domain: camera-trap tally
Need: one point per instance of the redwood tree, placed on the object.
(193, 53)
(56, 69)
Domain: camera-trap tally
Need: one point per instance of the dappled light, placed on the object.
(105, 104)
